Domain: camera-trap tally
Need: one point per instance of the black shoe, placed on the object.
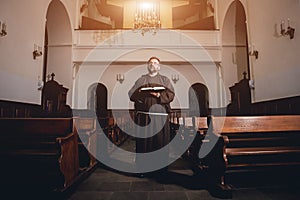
(141, 175)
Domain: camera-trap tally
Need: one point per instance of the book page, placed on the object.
(157, 88)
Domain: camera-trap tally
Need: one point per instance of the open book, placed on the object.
(154, 89)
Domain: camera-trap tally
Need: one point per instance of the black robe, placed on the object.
(143, 102)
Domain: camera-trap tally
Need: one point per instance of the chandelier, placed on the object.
(147, 17)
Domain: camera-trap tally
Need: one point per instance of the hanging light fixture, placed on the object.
(147, 18)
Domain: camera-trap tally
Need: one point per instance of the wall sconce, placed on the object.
(120, 78)
(253, 52)
(287, 32)
(3, 31)
(37, 51)
(175, 78)
(40, 84)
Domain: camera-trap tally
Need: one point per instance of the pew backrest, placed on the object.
(250, 124)
(40, 147)
(255, 144)
(36, 126)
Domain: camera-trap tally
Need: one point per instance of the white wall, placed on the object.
(19, 72)
(189, 74)
(276, 70)
(190, 54)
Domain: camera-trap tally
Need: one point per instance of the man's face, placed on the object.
(153, 66)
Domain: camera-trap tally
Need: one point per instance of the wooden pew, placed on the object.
(186, 127)
(259, 150)
(39, 153)
(206, 152)
(189, 130)
(116, 128)
(209, 167)
(87, 141)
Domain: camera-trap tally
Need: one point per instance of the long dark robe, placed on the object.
(143, 102)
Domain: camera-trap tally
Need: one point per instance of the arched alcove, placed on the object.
(235, 44)
(91, 97)
(198, 100)
(58, 45)
(101, 100)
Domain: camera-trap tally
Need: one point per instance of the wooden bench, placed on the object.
(186, 127)
(116, 129)
(259, 150)
(208, 168)
(210, 165)
(87, 141)
(39, 153)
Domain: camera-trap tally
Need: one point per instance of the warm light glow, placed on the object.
(146, 5)
(147, 17)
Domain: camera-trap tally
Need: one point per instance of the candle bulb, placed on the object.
(282, 25)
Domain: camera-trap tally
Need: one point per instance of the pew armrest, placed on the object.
(68, 160)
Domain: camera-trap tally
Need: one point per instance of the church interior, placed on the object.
(66, 119)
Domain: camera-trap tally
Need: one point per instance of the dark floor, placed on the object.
(107, 185)
(179, 183)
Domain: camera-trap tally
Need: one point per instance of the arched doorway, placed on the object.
(97, 102)
(91, 97)
(235, 43)
(97, 99)
(101, 100)
(198, 100)
(58, 46)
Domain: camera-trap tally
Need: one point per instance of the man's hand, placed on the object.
(156, 94)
